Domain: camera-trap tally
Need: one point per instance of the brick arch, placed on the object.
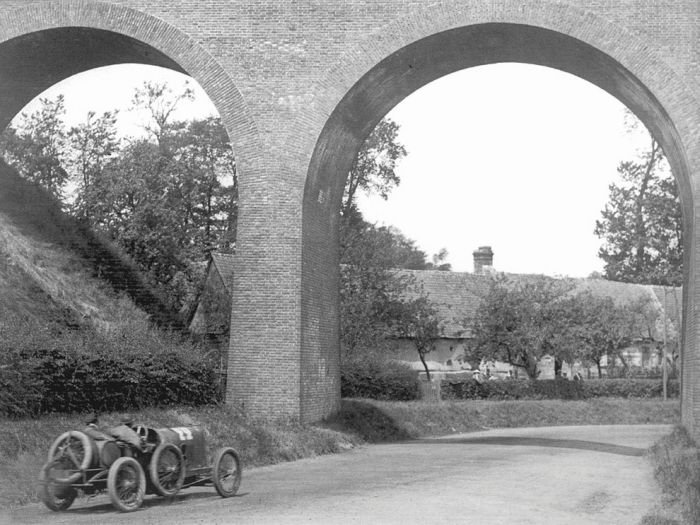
(122, 35)
(442, 38)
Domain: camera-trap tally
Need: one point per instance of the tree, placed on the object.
(641, 224)
(517, 322)
(597, 328)
(374, 169)
(37, 146)
(417, 320)
(93, 144)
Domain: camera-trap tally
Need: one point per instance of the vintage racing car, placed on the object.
(129, 461)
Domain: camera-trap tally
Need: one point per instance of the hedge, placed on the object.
(555, 389)
(377, 378)
(42, 372)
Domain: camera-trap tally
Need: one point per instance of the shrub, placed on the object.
(374, 377)
(543, 389)
(129, 367)
(643, 388)
(555, 389)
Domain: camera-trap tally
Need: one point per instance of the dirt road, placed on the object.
(562, 475)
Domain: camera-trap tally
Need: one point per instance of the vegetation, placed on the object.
(129, 366)
(373, 376)
(642, 223)
(378, 421)
(374, 303)
(166, 198)
(676, 462)
(520, 321)
(555, 389)
(23, 443)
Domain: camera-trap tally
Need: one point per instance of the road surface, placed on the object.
(556, 475)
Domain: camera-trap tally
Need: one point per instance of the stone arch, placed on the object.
(451, 35)
(120, 34)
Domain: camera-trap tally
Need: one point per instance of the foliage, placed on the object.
(374, 169)
(598, 327)
(130, 366)
(641, 224)
(37, 147)
(555, 389)
(417, 319)
(167, 198)
(93, 143)
(24, 443)
(518, 322)
(375, 377)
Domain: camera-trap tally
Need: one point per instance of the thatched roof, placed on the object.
(457, 295)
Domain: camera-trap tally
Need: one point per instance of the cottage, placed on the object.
(457, 296)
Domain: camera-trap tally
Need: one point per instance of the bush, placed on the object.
(129, 367)
(373, 377)
(643, 388)
(499, 390)
(555, 389)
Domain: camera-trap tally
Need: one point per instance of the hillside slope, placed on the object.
(55, 270)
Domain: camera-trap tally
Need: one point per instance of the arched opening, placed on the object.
(400, 74)
(38, 51)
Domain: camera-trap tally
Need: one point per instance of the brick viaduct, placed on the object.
(300, 83)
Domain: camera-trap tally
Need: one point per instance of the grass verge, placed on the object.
(676, 462)
(377, 421)
(24, 443)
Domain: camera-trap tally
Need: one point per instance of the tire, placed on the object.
(56, 496)
(167, 469)
(76, 448)
(126, 484)
(226, 472)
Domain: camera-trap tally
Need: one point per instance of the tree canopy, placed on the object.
(641, 225)
(167, 197)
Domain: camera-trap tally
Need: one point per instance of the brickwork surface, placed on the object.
(299, 84)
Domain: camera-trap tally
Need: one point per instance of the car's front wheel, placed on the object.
(226, 472)
(167, 469)
(126, 484)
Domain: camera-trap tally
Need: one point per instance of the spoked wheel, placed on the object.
(126, 484)
(56, 496)
(167, 469)
(76, 449)
(226, 472)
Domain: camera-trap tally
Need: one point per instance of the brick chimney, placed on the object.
(483, 259)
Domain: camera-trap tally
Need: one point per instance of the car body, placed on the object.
(129, 461)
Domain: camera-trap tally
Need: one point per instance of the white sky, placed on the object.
(513, 156)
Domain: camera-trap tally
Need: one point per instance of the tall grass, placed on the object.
(676, 462)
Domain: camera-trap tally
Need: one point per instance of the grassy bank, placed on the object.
(676, 462)
(377, 421)
(24, 443)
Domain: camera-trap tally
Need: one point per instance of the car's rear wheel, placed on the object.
(226, 472)
(76, 448)
(56, 496)
(126, 484)
(167, 469)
